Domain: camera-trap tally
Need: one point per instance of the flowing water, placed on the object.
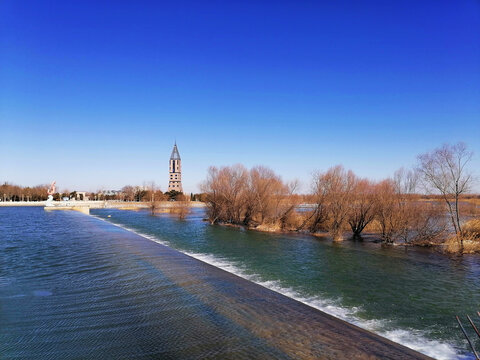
(61, 270)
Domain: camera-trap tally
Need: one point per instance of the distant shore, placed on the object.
(108, 204)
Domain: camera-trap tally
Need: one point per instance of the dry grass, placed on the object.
(452, 245)
(133, 208)
(471, 230)
(471, 246)
(373, 227)
(269, 227)
(293, 221)
(471, 242)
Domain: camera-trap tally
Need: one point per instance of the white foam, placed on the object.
(411, 338)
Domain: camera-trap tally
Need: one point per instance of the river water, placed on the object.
(57, 265)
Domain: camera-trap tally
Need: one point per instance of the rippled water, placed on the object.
(72, 286)
(410, 296)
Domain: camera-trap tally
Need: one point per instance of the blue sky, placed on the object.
(94, 94)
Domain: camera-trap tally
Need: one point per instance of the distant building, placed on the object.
(175, 171)
(110, 192)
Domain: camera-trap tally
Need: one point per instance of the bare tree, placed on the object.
(444, 170)
(387, 213)
(153, 205)
(265, 189)
(332, 193)
(315, 220)
(362, 208)
(129, 192)
(251, 198)
(285, 206)
(180, 208)
(233, 182)
(226, 194)
(213, 197)
(427, 224)
(340, 184)
(406, 181)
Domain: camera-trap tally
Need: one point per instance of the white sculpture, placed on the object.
(50, 193)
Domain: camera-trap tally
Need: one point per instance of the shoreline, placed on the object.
(101, 204)
(370, 237)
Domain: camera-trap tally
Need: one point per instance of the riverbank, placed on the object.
(448, 244)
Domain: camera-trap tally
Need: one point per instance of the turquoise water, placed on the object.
(408, 295)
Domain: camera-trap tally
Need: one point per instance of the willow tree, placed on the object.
(445, 171)
(362, 209)
(332, 193)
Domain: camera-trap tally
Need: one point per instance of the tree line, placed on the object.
(146, 193)
(340, 202)
(12, 192)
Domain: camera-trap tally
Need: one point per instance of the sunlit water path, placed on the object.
(409, 296)
(72, 286)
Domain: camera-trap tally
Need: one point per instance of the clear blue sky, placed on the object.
(93, 94)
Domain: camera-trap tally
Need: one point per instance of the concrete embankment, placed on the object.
(22, 203)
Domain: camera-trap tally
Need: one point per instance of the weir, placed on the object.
(82, 209)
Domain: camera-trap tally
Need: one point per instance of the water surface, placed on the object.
(408, 295)
(76, 287)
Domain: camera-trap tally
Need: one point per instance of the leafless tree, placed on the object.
(265, 189)
(332, 193)
(387, 213)
(362, 207)
(285, 206)
(153, 205)
(213, 196)
(427, 224)
(251, 198)
(226, 194)
(406, 181)
(444, 170)
(340, 184)
(129, 192)
(315, 219)
(180, 209)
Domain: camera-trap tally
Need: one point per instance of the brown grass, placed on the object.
(452, 245)
(269, 228)
(471, 246)
(471, 242)
(471, 230)
(373, 227)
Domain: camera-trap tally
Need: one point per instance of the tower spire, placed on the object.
(175, 154)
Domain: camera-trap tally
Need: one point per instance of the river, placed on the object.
(410, 296)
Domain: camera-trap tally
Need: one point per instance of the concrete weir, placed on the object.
(82, 209)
